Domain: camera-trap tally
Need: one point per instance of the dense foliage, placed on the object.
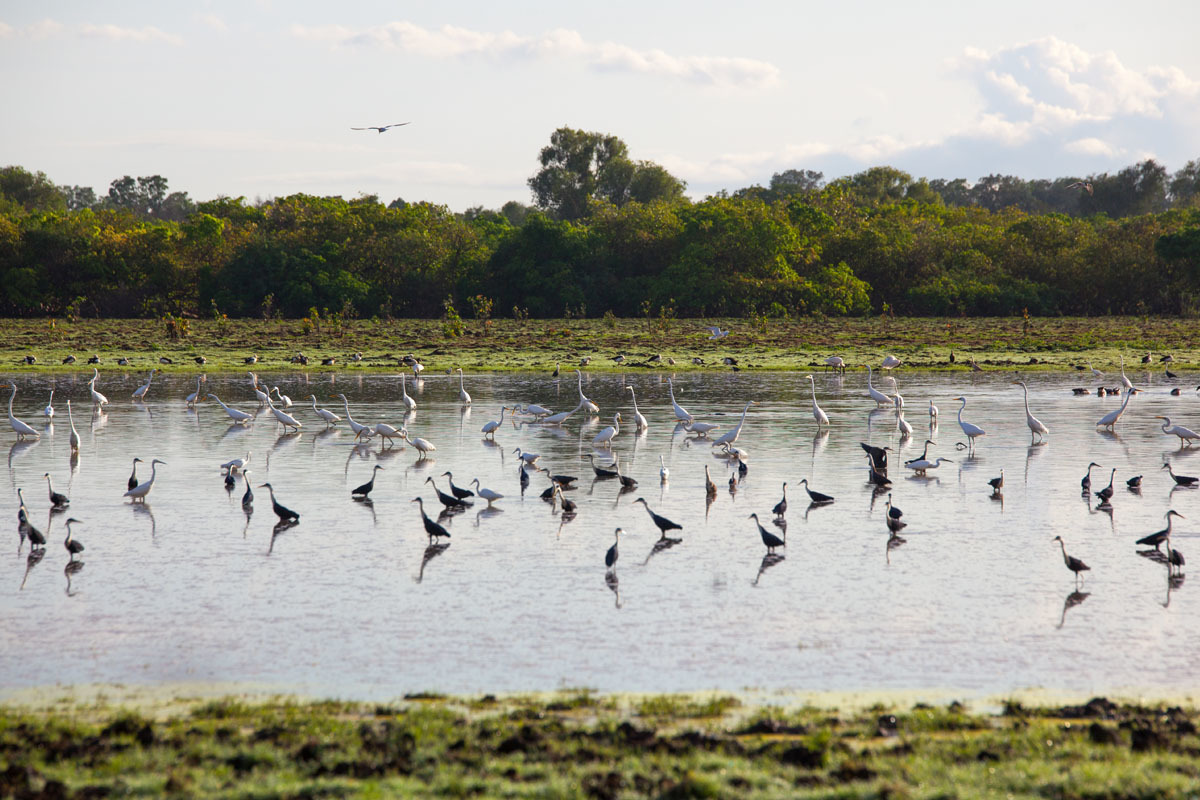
(611, 234)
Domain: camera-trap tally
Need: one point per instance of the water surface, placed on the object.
(352, 602)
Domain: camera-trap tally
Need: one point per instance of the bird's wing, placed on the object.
(362, 129)
(397, 124)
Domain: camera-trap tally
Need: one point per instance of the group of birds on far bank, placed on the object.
(458, 497)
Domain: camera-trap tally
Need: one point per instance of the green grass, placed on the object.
(923, 343)
(596, 747)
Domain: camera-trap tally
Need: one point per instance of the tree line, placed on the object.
(606, 233)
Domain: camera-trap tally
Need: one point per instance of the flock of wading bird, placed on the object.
(459, 498)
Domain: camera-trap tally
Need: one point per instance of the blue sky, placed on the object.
(257, 98)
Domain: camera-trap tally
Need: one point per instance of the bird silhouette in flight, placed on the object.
(380, 128)
(1077, 185)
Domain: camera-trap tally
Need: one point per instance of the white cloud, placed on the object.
(116, 33)
(560, 44)
(213, 21)
(1090, 146)
(43, 29)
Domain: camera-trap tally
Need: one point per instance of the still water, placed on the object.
(352, 602)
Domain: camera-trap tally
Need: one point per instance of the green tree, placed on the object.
(32, 190)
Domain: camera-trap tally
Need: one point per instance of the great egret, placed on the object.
(237, 464)
(902, 424)
(701, 429)
(562, 416)
(133, 481)
(528, 458)
(358, 428)
(715, 332)
(1074, 564)
(433, 529)
(663, 472)
(933, 412)
(285, 419)
(57, 500)
(1036, 427)
(662, 523)
(681, 413)
(1158, 537)
(48, 411)
(1095, 372)
(388, 432)
(423, 446)
(140, 392)
(263, 397)
(325, 414)
(920, 465)
(489, 428)
(972, 431)
(605, 437)
(1110, 419)
(537, 412)
(463, 397)
(890, 362)
(591, 407)
(75, 440)
(285, 514)
(816, 497)
(881, 399)
(1186, 435)
(781, 507)
(195, 396)
(1180, 480)
(234, 414)
(365, 490)
(769, 539)
(74, 546)
(732, 436)
(409, 403)
(610, 558)
(1125, 380)
(838, 364)
(139, 492)
(639, 422)
(820, 416)
(97, 398)
(486, 494)
(284, 400)
(20, 428)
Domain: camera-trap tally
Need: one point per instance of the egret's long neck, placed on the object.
(12, 397)
(1026, 388)
(960, 410)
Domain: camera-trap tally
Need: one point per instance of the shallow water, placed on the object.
(352, 603)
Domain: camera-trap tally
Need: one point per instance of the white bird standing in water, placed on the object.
(328, 416)
(820, 416)
(639, 422)
(605, 437)
(74, 433)
(681, 413)
(236, 415)
(139, 492)
(20, 428)
(358, 428)
(140, 392)
(409, 403)
(972, 431)
(463, 397)
(1186, 435)
(1036, 428)
(588, 405)
(663, 472)
(195, 396)
(881, 399)
(97, 398)
(732, 436)
(48, 411)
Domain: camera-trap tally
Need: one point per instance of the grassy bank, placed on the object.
(1059, 343)
(578, 744)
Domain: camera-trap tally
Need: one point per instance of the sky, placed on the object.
(257, 98)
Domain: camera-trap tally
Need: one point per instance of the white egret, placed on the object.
(140, 392)
(324, 413)
(605, 437)
(837, 362)
(933, 411)
(1125, 380)
(639, 422)
(263, 397)
(920, 465)
(75, 440)
(732, 436)
(420, 444)
(881, 399)
(890, 362)
(681, 413)
(236, 465)
(1186, 435)
(1036, 428)
(1110, 419)
(97, 398)
(195, 396)
(234, 414)
(409, 403)
(701, 429)
(358, 428)
(533, 409)
(528, 458)
(1095, 372)
(663, 472)
(562, 416)
(387, 432)
(715, 332)
(285, 419)
(284, 400)
(139, 492)
(48, 411)
(902, 424)
(591, 407)
(820, 416)
(489, 428)
(463, 397)
(20, 428)
(972, 431)
(486, 494)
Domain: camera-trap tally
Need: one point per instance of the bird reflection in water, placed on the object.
(664, 543)
(894, 541)
(769, 560)
(20, 447)
(431, 552)
(490, 511)
(998, 497)
(614, 585)
(74, 462)
(369, 504)
(72, 568)
(280, 527)
(1073, 599)
(145, 510)
(34, 558)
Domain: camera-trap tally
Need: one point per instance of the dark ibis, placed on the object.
(284, 514)
(769, 539)
(132, 483)
(1158, 537)
(660, 521)
(248, 495)
(74, 546)
(432, 528)
(601, 472)
(1074, 564)
(448, 500)
(997, 483)
(781, 507)
(1106, 493)
(56, 499)
(365, 490)
(1086, 482)
(457, 491)
(1180, 480)
(816, 497)
(610, 558)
